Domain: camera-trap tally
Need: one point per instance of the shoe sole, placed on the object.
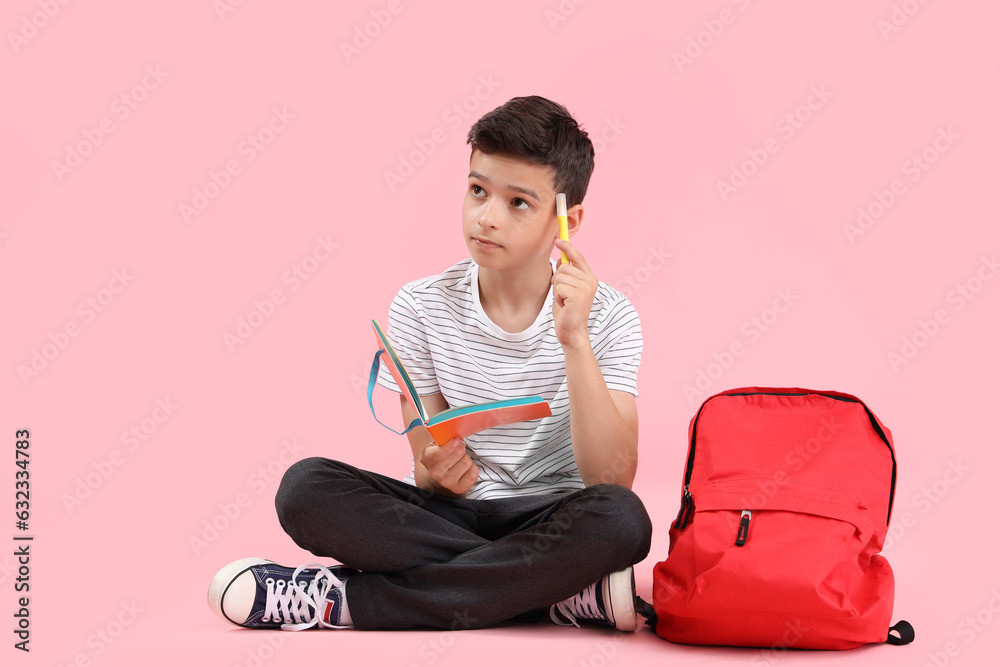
(620, 600)
(225, 577)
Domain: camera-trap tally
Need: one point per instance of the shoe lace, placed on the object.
(301, 601)
(581, 605)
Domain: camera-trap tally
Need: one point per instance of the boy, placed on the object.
(515, 520)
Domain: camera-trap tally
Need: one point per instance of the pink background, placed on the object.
(669, 134)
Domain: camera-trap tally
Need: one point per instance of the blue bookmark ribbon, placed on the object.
(371, 387)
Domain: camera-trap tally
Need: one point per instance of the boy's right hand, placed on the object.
(449, 467)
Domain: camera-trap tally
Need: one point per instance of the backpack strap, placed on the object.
(371, 387)
(647, 611)
(905, 632)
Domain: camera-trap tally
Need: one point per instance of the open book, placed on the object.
(455, 422)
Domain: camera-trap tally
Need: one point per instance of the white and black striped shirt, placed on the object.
(450, 346)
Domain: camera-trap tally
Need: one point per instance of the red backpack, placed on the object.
(786, 502)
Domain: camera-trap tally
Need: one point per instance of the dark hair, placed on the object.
(543, 133)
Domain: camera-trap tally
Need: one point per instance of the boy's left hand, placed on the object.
(573, 288)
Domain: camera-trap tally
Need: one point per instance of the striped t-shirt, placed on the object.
(450, 346)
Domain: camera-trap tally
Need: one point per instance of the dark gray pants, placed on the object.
(427, 560)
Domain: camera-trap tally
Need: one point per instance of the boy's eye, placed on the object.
(517, 202)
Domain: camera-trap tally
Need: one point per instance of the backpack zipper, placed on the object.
(744, 529)
(687, 500)
(687, 506)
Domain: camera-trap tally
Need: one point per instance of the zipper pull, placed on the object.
(687, 506)
(741, 534)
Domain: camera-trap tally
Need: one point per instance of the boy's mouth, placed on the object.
(485, 243)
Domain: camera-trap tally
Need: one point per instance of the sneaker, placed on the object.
(259, 594)
(610, 601)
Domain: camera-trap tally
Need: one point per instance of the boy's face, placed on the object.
(509, 215)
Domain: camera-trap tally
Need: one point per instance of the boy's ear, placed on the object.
(574, 219)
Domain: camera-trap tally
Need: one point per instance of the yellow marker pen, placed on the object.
(563, 222)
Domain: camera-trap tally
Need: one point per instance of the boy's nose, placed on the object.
(485, 217)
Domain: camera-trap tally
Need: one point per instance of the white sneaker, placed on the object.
(609, 601)
(259, 594)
